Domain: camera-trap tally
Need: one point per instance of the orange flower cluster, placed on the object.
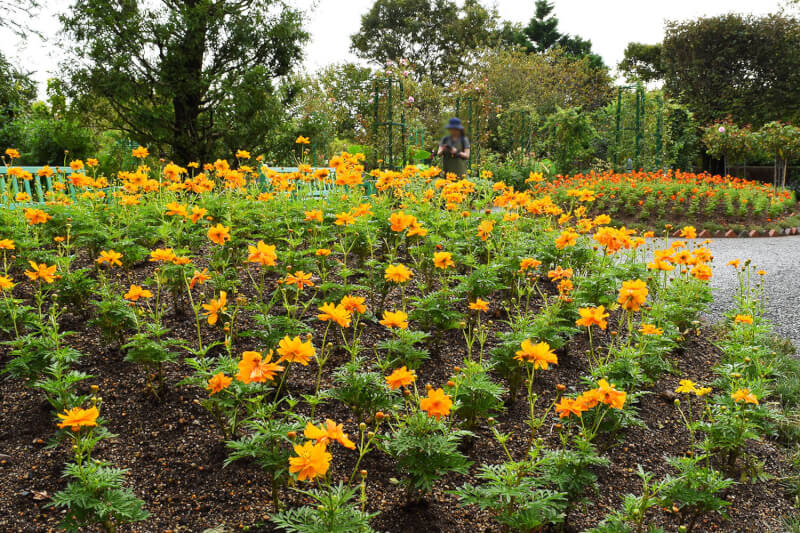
(604, 393)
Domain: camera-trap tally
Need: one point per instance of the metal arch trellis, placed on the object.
(394, 90)
(638, 127)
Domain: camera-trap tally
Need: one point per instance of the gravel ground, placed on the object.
(780, 257)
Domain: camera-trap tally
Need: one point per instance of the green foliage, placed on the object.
(96, 496)
(112, 316)
(642, 62)
(214, 60)
(739, 66)
(402, 349)
(571, 471)
(74, 290)
(694, 489)
(363, 391)
(332, 512)
(474, 393)
(437, 36)
(425, 450)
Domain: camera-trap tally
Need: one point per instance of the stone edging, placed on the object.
(730, 234)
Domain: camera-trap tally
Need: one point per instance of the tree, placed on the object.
(738, 66)
(176, 73)
(437, 36)
(542, 34)
(17, 14)
(642, 62)
(17, 93)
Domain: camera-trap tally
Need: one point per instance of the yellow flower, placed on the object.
(398, 273)
(76, 418)
(593, 316)
(335, 313)
(479, 305)
(331, 431)
(302, 140)
(262, 253)
(6, 283)
(41, 272)
(215, 307)
(312, 460)
(632, 295)
(686, 386)
(744, 395)
(650, 329)
(111, 257)
(743, 319)
(443, 260)
(395, 319)
(540, 354)
(295, 350)
(219, 234)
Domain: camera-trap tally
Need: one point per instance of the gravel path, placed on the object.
(780, 257)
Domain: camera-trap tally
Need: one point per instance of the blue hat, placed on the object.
(455, 124)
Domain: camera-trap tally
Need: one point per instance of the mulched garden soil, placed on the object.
(175, 454)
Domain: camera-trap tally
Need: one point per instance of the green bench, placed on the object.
(36, 188)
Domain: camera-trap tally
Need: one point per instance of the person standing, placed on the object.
(454, 149)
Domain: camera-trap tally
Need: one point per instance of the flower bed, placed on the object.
(653, 199)
(442, 356)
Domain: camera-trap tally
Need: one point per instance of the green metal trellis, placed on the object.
(393, 90)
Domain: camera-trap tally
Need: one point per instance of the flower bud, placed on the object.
(362, 426)
(561, 387)
(292, 434)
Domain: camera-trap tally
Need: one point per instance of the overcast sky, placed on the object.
(610, 24)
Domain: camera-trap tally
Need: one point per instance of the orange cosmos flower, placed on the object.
(6, 283)
(299, 278)
(36, 216)
(650, 329)
(255, 369)
(702, 272)
(401, 221)
(140, 153)
(443, 260)
(7, 244)
(609, 395)
(743, 319)
(135, 292)
(111, 257)
(437, 404)
(302, 140)
(688, 232)
(632, 295)
(540, 354)
(568, 407)
(215, 307)
(395, 319)
(331, 431)
(76, 418)
(219, 234)
(398, 273)
(344, 219)
(335, 313)
(567, 238)
(485, 229)
(162, 255)
(322, 252)
(315, 215)
(218, 383)
(199, 277)
(354, 304)
(312, 460)
(176, 209)
(479, 305)
(263, 254)
(295, 350)
(744, 395)
(198, 213)
(528, 263)
(401, 377)
(42, 272)
(593, 316)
